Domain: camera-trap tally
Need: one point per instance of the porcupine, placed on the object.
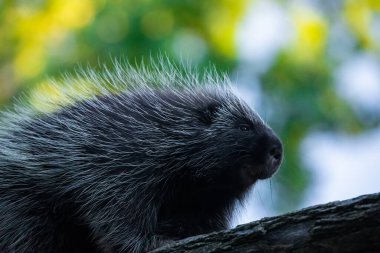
(166, 158)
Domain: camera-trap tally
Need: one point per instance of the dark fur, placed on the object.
(128, 172)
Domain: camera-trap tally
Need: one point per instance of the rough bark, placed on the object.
(343, 226)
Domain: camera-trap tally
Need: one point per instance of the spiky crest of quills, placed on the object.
(88, 84)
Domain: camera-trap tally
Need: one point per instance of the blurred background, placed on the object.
(310, 68)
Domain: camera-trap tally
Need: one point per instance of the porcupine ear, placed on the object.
(207, 114)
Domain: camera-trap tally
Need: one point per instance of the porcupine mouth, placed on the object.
(252, 173)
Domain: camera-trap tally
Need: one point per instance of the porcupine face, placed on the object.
(245, 149)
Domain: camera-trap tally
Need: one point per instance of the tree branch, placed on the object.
(343, 226)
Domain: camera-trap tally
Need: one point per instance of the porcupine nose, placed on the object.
(274, 155)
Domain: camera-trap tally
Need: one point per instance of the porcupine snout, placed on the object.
(272, 153)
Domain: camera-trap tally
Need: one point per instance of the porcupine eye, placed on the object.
(244, 127)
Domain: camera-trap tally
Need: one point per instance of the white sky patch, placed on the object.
(341, 44)
(265, 30)
(358, 80)
(344, 166)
